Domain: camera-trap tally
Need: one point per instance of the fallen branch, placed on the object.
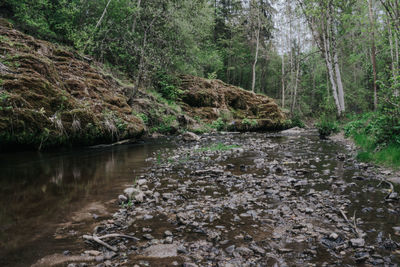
(391, 190)
(352, 225)
(116, 235)
(99, 241)
(355, 225)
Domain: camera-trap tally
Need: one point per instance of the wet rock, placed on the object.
(147, 217)
(168, 233)
(357, 242)
(285, 250)
(182, 250)
(230, 249)
(333, 236)
(161, 251)
(148, 236)
(141, 182)
(139, 197)
(129, 192)
(244, 251)
(167, 196)
(190, 137)
(122, 199)
(257, 249)
(361, 256)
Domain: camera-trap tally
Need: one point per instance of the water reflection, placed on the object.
(38, 191)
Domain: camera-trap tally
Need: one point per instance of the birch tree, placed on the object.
(322, 20)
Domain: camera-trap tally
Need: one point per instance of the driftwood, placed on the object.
(391, 190)
(98, 239)
(353, 224)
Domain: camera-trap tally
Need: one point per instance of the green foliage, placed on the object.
(297, 122)
(4, 96)
(212, 75)
(143, 117)
(167, 85)
(249, 122)
(166, 125)
(327, 125)
(219, 124)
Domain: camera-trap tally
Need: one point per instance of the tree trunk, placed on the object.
(283, 80)
(136, 16)
(373, 52)
(339, 85)
(391, 49)
(328, 61)
(253, 82)
(97, 25)
(295, 88)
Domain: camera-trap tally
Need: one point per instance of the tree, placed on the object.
(322, 18)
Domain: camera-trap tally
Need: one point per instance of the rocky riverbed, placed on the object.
(229, 199)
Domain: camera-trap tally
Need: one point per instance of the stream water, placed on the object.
(228, 200)
(40, 192)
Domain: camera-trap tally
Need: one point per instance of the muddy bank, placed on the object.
(251, 200)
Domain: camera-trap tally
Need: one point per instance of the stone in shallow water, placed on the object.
(161, 251)
(357, 242)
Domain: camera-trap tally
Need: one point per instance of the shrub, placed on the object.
(297, 122)
(218, 124)
(166, 85)
(327, 126)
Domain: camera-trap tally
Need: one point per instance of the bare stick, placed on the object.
(352, 225)
(116, 235)
(96, 239)
(355, 225)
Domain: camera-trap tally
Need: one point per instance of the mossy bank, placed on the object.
(51, 95)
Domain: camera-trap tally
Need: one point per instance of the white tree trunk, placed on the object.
(391, 49)
(283, 80)
(295, 88)
(328, 61)
(339, 84)
(253, 82)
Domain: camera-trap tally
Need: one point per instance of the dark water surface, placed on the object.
(40, 191)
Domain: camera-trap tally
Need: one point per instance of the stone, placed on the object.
(357, 242)
(141, 182)
(122, 199)
(161, 251)
(129, 192)
(167, 233)
(333, 236)
(190, 137)
(139, 197)
(148, 236)
(230, 249)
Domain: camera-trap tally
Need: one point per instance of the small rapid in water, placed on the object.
(228, 199)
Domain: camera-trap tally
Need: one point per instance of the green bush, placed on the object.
(297, 122)
(167, 86)
(327, 126)
(218, 124)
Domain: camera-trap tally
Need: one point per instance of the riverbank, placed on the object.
(52, 96)
(239, 199)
